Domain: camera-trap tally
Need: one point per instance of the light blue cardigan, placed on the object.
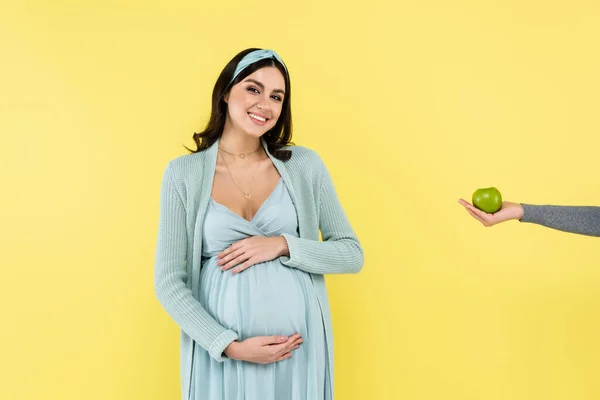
(185, 193)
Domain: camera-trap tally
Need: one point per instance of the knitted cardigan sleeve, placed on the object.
(340, 251)
(170, 275)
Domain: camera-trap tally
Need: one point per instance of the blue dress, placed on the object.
(264, 300)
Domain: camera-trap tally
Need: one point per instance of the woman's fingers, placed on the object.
(244, 265)
(234, 250)
(294, 337)
(230, 255)
(468, 205)
(477, 217)
(288, 354)
(283, 357)
(464, 202)
(481, 216)
(293, 345)
(273, 340)
(293, 342)
(472, 211)
(233, 247)
(240, 258)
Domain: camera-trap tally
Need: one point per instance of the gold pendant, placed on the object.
(242, 155)
(247, 195)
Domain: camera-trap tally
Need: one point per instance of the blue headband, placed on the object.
(253, 57)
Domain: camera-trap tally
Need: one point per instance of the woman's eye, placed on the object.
(253, 90)
(276, 97)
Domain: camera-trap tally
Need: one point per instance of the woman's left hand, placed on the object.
(250, 251)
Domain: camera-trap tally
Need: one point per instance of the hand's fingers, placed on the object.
(274, 340)
(476, 216)
(471, 207)
(282, 348)
(295, 336)
(289, 353)
(225, 252)
(464, 202)
(230, 256)
(293, 341)
(295, 344)
(233, 247)
(231, 253)
(245, 265)
(483, 216)
(236, 261)
(283, 357)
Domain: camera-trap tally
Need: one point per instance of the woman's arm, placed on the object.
(170, 275)
(340, 251)
(583, 220)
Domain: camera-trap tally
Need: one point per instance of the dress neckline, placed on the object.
(259, 208)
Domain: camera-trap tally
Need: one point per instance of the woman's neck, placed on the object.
(236, 142)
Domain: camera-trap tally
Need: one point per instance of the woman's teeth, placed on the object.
(257, 117)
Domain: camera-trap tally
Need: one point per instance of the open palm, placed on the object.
(507, 212)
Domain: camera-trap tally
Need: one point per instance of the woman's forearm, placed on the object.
(583, 220)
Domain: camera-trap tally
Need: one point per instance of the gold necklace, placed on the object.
(247, 195)
(241, 155)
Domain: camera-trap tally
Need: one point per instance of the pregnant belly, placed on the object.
(265, 299)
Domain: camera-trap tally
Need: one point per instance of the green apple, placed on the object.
(488, 200)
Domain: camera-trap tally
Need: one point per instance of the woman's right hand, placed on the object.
(263, 349)
(507, 212)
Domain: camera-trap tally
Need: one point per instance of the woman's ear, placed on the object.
(226, 97)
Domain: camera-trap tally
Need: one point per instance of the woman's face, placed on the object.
(254, 104)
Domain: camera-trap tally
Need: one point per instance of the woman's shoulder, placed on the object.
(305, 157)
(306, 165)
(182, 166)
(187, 160)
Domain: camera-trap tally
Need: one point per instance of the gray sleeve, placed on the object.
(583, 220)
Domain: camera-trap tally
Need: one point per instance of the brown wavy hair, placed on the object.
(277, 138)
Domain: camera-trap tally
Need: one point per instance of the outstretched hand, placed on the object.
(507, 212)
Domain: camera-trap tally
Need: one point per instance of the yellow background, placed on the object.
(411, 105)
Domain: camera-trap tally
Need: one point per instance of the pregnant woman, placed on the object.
(239, 262)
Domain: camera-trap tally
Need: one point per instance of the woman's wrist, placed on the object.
(283, 249)
(519, 212)
(231, 350)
